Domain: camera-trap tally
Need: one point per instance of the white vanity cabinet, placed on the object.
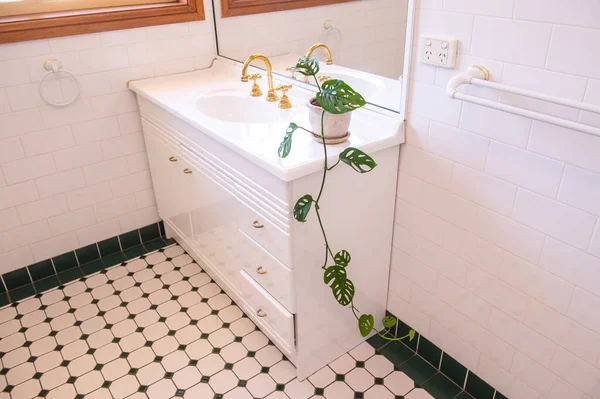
(227, 198)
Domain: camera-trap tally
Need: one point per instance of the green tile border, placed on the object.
(34, 279)
(430, 367)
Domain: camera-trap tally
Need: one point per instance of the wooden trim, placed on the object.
(236, 8)
(99, 20)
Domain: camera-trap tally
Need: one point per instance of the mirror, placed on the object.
(366, 40)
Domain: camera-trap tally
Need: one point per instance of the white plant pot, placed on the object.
(336, 125)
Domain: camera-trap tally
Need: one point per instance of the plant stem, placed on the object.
(325, 152)
(317, 82)
(334, 165)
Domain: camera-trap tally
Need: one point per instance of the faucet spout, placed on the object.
(271, 95)
(325, 49)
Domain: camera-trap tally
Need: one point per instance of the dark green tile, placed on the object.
(4, 299)
(478, 388)
(463, 395)
(65, 262)
(377, 342)
(441, 387)
(93, 267)
(499, 396)
(150, 233)
(108, 247)
(396, 352)
(430, 352)
(21, 292)
(114, 259)
(130, 239)
(418, 369)
(155, 244)
(402, 331)
(87, 254)
(161, 228)
(16, 278)
(134, 252)
(41, 270)
(70, 275)
(46, 284)
(170, 241)
(453, 370)
(2, 287)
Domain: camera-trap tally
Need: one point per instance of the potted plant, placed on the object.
(335, 99)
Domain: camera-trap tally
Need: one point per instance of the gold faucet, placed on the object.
(285, 101)
(271, 95)
(326, 50)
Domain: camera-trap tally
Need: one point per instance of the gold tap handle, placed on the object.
(284, 88)
(285, 101)
(324, 78)
(255, 77)
(292, 70)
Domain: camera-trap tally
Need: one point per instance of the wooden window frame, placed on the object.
(43, 26)
(236, 8)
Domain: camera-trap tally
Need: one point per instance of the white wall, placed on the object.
(497, 242)
(76, 175)
(372, 34)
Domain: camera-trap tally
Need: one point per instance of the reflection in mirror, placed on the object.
(365, 40)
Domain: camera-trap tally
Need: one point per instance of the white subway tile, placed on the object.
(503, 381)
(426, 166)
(466, 302)
(131, 183)
(103, 59)
(522, 337)
(113, 104)
(77, 42)
(112, 38)
(430, 4)
(561, 329)
(595, 244)
(29, 168)
(405, 240)
(420, 72)
(538, 283)
(483, 189)
(114, 208)
(454, 346)
(173, 67)
(410, 188)
(581, 59)
(433, 103)
(96, 130)
(42, 209)
(121, 77)
(581, 189)
(79, 156)
(32, 48)
(555, 219)
(574, 12)
(150, 52)
(78, 111)
(449, 207)
(417, 131)
(71, 221)
(60, 182)
(440, 23)
(17, 194)
(99, 232)
(16, 259)
(4, 105)
(414, 270)
(2, 181)
(19, 122)
(130, 123)
(408, 313)
(525, 169)
(90, 85)
(419, 221)
(497, 125)
(592, 96)
(13, 72)
(138, 162)
(458, 145)
(107, 170)
(25, 235)
(172, 30)
(562, 390)
(122, 146)
(145, 198)
(11, 150)
(27, 95)
(54, 246)
(140, 218)
(584, 309)
(499, 8)
(47, 141)
(9, 219)
(532, 373)
(444, 262)
(88, 196)
(439, 311)
(576, 371)
(520, 42)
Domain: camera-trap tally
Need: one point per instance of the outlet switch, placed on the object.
(438, 51)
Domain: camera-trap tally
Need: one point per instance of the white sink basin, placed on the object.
(367, 86)
(236, 106)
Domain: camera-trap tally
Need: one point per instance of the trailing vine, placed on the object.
(336, 97)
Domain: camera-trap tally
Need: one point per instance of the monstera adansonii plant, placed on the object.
(336, 97)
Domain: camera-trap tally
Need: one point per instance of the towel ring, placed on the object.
(55, 66)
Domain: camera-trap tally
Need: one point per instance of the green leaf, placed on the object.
(344, 293)
(366, 322)
(411, 335)
(342, 258)
(389, 321)
(286, 144)
(337, 97)
(358, 160)
(308, 66)
(335, 275)
(302, 208)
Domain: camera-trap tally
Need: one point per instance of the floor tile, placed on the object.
(418, 369)
(440, 386)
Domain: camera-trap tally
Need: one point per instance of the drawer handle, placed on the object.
(172, 159)
(257, 225)
(260, 313)
(260, 270)
(187, 171)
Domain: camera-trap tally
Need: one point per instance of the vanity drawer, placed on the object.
(265, 309)
(263, 230)
(271, 274)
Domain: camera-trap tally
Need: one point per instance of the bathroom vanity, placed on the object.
(227, 198)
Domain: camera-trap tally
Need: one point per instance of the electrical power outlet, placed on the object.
(438, 51)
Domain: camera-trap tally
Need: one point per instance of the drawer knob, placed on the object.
(260, 270)
(172, 159)
(260, 313)
(257, 225)
(187, 171)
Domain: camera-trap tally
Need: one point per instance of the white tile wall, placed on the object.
(76, 175)
(516, 201)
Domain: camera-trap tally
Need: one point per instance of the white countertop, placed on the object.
(258, 142)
